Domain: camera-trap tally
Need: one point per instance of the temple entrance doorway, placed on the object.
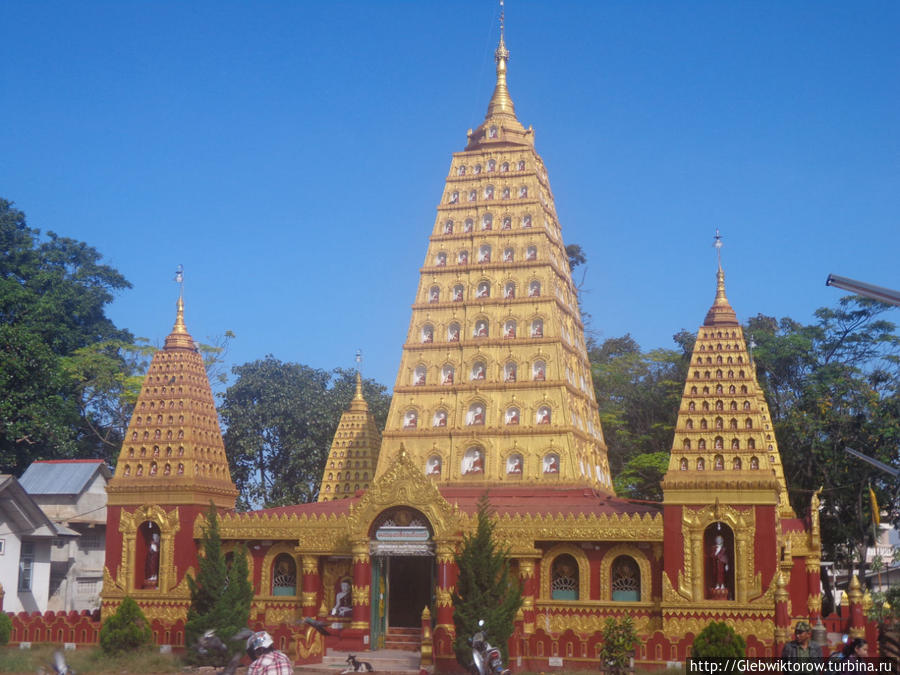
(410, 580)
(401, 547)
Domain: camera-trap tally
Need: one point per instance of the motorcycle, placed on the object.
(486, 659)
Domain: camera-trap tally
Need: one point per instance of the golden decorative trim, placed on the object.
(361, 595)
(168, 523)
(311, 644)
(679, 626)
(265, 580)
(589, 624)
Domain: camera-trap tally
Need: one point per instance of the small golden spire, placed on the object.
(179, 338)
(721, 313)
(359, 401)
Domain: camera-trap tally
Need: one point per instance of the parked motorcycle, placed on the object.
(486, 659)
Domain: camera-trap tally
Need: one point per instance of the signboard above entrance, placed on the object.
(400, 533)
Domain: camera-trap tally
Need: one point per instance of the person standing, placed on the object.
(800, 647)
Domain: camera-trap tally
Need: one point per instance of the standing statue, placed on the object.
(720, 561)
(151, 563)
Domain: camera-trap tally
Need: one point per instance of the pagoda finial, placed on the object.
(179, 337)
(501, 103)
(359, 401)
(721, 312)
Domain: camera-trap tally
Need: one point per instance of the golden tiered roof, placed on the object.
(173, 451)
(354, 451)
(724, 441)
(494, 383)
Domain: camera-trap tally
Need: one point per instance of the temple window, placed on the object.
(509, 329)
(694, 391)
(453, 332)
(735, 444)
(741, 374)
(701, 444)
(539, 371)
(473, 195)
(683, 464)
(564, 578)
(736, 464)
(543, 415)
(492, 163)
(454, 197)
(461, 171)
(475, 415)
(746, 405)
(719, 374)
(410, 419)
(689, 424)
(458, 293)
(534, 289)
(743, 388)
(481, 329)
(718, 443)
(512, 415)
(507, 223)
(523, 192)
(686, 444)
(701, 465)
(504, 167)
(488, 191)
(626, 580)
(439, 419)
(505, 193)
(719, 423)
(734, 405)
(487, 221)
(509, 290)
(754, 463)
(703, 424)
(730, 360)
(526, 221)
(751, 444)
(484, 254)
(691, 406)
(719, 389)
(462, 258)
(550, 463)
(509, 372)
(531, 253)
(748, 423)
(468, 225)
(521, 166)
(477, 169)
(732, 423)
(705, 390)
(427, 333)
(730, 373)
(514, 464)
(719, 359)
(706, 374)
(448, 227)
(537, 328)
(478, 370)
(447, 374)
(419, 376)
(719, 463)
(440, 259)
(284, 575)
(434, 294)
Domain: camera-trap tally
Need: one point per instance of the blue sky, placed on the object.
(291, 154)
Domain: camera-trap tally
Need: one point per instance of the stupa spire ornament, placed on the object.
(179, 338)
(359, 402)
(721, 312)
(500, 123)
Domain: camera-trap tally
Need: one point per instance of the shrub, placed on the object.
(718, 641)
(126, 630)
(5, 628)
(619, 641)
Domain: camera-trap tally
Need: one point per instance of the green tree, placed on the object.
(220, 595)
(5, 628)
(53, 295)
(484, 589)
(619, 641)
(126, 630)
(638, 395)
(718, 641)
(831, 385)
(281, 419)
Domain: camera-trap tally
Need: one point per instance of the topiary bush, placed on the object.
(718, 641)
(5, 628)
(126, 630)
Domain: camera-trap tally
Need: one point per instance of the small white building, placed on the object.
(26, 539)
(72, 494)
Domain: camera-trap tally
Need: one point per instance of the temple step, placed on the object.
(406, 639)
(384, 661)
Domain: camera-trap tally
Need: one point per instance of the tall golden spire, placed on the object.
(721, 313)
(179, 338)
(358, 404)
(500, 124)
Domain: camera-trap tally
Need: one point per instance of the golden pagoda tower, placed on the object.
(171, 467)
(724, 441)
(494, 384)
(354, 451)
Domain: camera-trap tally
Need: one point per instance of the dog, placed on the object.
(357, 666)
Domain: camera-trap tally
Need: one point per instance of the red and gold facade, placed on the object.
(494, 390)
